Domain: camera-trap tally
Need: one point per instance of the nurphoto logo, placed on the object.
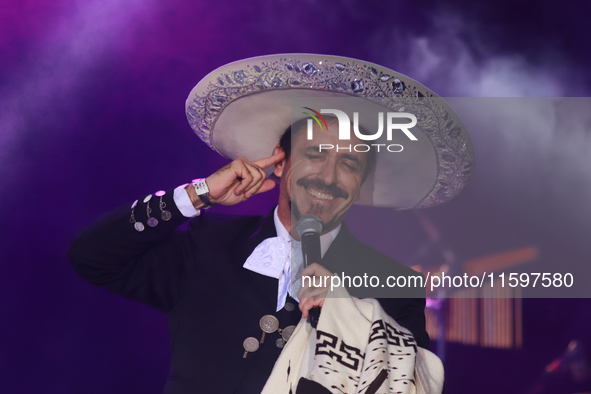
(345, 129)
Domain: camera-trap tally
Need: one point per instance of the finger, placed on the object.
(316, 269)
(312, 292)
(305, 306)
(311, 270)
(304, 311)
(244, 174)
(312, 285)
(258, 177)
(303, 294)
(309, 304)
(269, 161)
(300, 294)
(266, 186)
(318, 303)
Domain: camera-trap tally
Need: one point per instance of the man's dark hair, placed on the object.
(285, 143)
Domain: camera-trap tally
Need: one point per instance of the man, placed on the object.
(222, 281)
(325, 183)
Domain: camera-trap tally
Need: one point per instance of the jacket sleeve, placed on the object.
(147, 266)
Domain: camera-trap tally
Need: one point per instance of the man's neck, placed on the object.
(326, 239)
(284, 214)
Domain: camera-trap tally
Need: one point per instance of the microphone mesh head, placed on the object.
(309, 224)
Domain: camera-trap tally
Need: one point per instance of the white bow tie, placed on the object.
(272, 258)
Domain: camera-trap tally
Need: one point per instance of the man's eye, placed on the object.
(350, 166)
(313, 157)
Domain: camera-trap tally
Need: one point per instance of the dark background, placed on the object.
(92, 117)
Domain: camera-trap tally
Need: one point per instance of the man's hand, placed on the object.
(310, 296)
(237, 181)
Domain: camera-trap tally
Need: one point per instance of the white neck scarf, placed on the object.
(273, 258)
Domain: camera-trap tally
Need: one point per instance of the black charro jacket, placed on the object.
(213, 304)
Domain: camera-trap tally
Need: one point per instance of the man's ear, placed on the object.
(278, 170)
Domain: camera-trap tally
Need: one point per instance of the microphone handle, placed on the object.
(312, 254)
(311, 248)
(314, 316)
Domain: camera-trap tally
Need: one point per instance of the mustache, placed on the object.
(322, 187)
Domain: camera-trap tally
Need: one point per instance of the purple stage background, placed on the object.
(92, 117)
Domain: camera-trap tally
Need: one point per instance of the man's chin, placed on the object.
(317, 210)
(312, 209)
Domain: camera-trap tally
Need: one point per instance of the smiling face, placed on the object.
(325, 183)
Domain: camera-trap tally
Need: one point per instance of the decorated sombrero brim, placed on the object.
(242, 109)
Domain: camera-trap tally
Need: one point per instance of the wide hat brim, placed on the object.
(242, 109)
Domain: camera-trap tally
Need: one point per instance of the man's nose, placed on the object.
(328, 172)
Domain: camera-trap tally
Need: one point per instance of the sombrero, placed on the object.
(242, 109)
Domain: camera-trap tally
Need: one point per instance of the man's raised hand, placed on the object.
(238, 181)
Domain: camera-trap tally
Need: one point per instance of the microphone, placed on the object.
(309, 228)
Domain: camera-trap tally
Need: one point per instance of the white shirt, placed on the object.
(273, 256)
